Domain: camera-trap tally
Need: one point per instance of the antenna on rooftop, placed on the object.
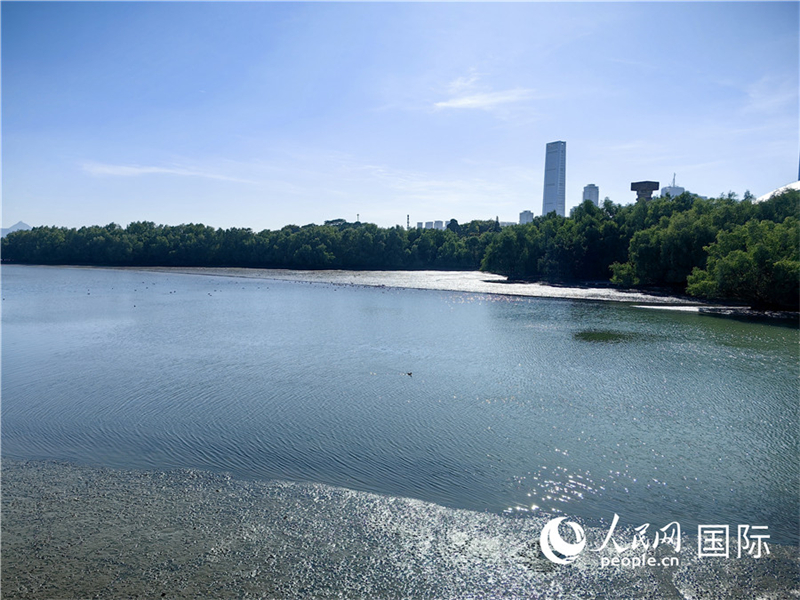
(673, 180)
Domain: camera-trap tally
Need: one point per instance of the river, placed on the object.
(503, 404)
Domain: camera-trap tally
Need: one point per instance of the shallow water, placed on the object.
(453, 281)
(529, 405)
(79, 532)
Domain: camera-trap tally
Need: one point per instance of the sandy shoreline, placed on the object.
(74, 532)
(481, 283)
(475, 282)
(456, 281)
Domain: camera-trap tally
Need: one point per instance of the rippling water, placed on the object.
(475, 401)
(195, 534)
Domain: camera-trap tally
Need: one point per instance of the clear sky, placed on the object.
(264, 114)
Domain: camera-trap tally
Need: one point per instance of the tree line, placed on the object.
(720, 248)
(337, 244)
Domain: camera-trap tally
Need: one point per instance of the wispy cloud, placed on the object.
(488, 100)
(467, 92)
(106, 170)
(460, 84)
(771, 95)
(638, 64)
(481, 190)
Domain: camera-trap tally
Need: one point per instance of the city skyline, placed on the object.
(266, 114)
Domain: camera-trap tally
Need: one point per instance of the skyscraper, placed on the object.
(592, 192)
(555, 175)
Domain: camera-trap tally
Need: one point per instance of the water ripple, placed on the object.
(510, 402)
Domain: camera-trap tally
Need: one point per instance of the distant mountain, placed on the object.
(15, 227)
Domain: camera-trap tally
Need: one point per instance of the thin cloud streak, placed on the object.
(106, 170)
(489, 100)
(770, 96)
(461, 84)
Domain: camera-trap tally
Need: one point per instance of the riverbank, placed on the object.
(72, 531)
(488, 283)
(450, 281)
(476, 282)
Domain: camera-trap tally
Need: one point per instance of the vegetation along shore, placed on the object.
(721, 249)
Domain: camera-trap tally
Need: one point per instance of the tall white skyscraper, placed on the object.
(555, 176)
(592, 192)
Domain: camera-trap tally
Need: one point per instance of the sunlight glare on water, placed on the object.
(464, 399)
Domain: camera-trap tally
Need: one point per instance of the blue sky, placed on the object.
(264, 114)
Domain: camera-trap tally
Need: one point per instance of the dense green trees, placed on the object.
(335, 245)
(712, 248)
(723, 248)
(720, 249)
(758, 262)
(557, 249)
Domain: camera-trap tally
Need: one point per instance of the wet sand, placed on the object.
(488, 283)
(78, 532)
(453, 281)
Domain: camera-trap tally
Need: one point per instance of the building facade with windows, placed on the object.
(555, 178)
(592, 192)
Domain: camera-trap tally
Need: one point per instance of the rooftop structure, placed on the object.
(644, 189)
(780, 190)
(672, 190)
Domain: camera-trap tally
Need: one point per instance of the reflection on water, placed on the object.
(77, 532)
(591, 335)
(534, 405)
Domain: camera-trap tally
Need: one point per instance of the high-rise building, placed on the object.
(525, 216)
(592, 192)
(555, 177)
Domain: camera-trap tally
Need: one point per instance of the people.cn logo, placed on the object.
(555, 548)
